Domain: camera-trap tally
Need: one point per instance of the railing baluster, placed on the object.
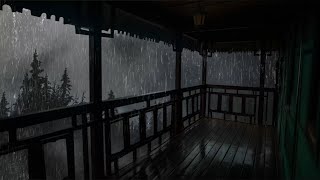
(126, 132)
(155, 121)
(134, 155)
(193, 103)
(70, 155)
(209, 102)
(36, 163)
(13, 135)
(266, 110)
(142, 125)
(230, 103)
(219, 102)
(116, 166)
(85, 146)
(243, 104)
(107, 141)
(164, 115)
(255, 109)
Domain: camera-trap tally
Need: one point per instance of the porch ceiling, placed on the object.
(226, 20)
(229, 24)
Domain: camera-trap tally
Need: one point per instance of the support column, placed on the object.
(96, 131)
(178, 123)
(204, 86)
(262, 79)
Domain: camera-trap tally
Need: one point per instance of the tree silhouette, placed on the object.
(65, 97)
(36, 84)
(4, 110)
(37, 93)
(54, 97)
(111, 95)
(46, 93)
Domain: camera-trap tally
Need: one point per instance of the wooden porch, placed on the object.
(211, 148)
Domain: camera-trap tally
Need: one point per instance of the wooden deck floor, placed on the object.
(213, 149)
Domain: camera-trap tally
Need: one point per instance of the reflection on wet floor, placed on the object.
(213, 149)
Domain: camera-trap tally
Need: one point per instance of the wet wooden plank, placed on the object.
(248, 163)
(222, 169)
(174, 143)
(213, 149)
(201, 151)
(177, 151)
(270, 158)
(258, 171)
(223, 152)
(213, 152)
(186, 154)
(236, 167)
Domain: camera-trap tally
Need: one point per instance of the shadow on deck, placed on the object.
(212, 149)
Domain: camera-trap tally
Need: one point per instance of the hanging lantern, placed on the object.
(198, 19)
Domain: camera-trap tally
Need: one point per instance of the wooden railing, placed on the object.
(130, 125)
(238, 103)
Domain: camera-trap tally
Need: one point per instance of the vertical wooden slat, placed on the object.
(275, 108)
(95, 82)
(204, 85)
(116, 166)
(255, 108)
(224, 114)
(177, 121)
(36, 163)
(230, 103)
(126, 132)
(85, 147)
(142, 125)
(266, 109)
(134, 155)
(108, 142)
(12, 135)
(209, 102)
(149, 147)
(70, 156)
(164, 117)
(193, 103)
(219, 102)
(155, 121)
(243, 105)
(262, 80)
(74, 121)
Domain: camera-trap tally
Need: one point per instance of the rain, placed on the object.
(130, 67)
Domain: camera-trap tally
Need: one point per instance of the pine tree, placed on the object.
(65, 88)
(83, 97)
(36, 83)
(23, 102)
(54, 98)
(4, 110)
(46, 93)
(111, 95)
(17, 107)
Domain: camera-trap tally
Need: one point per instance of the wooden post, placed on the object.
(178, 124)
(262, 79)
(96, 131)
(204, 87)
(36, 162)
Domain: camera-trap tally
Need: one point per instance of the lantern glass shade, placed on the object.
(198, 19)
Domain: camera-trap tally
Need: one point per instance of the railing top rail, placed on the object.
(59, 113)
(240, 88)
(43, 116)
(136, 99)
